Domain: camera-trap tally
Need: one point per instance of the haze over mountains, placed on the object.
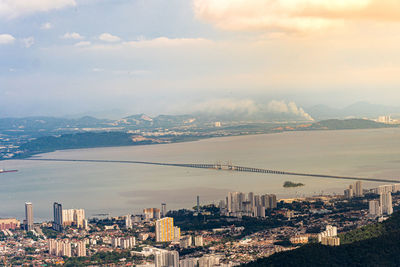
(358, 110)
(227, 111)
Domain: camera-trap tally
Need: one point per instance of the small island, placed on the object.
(291, 184)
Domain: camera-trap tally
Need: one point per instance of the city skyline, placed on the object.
(208, 133)
(116, 234)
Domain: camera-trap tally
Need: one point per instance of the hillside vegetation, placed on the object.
(373, 245)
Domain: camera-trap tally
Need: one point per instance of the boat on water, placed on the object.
(5, 171)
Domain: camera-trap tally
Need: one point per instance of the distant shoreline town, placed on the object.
(23, 138)
(241, 229)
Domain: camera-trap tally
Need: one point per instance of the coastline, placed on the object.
(189, 139)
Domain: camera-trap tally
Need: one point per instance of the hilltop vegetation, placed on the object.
(291, 184)
(79, 140)
(373, 245)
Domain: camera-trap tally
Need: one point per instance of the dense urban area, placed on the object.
(243, 228)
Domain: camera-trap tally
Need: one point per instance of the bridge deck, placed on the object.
(222, 167)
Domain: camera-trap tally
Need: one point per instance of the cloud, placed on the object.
(292, 15)
(153, 43)
(6, 39)
(249, 107)
(15, 8)
(122, 72)
(290, 108)
(83, 43)
(97, 70)
(72, 35)
(46, 26)
(165, 41)
(226, 106)
(107, 37)
(28, 42)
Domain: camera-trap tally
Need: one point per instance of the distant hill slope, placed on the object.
(359, 109)
(73, 141)
(95, 139)
(373, 245)
(349, 124)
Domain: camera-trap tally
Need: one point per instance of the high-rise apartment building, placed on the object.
(68, 217)
(386, 203)
(74, 217)
(375, 209)
(79, 216)
(329, 232)
(152, 213)
(330, 241)
(58, 217)
(165, 229)
(9, 224)
(166, 258)
(235, 202)
(198, 241)
(60, 248)
(188, 262)
(237, 205)
(163, 210)
(177, 233)
(272, 201)
(384, 189)
(128, 221)
(124, 242)
(29, 216)
(259, 211)
(81, 249)
(250, 198)
(359, 190)
(85, 224)
(348, 193)
(354, 190)
(257, 200)
(209, 260)
(186, 241)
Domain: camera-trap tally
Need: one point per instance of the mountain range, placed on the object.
(40, 125)
(356, 110)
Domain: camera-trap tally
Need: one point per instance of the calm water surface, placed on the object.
(127, 188)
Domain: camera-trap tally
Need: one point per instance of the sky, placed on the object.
(68, 57)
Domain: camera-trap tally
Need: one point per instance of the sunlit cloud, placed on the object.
(15, 8)
(72, 35)
(6, 39)
(292, 15)
(83, 43)
(107, 37)
(152, 43)
(46, 26)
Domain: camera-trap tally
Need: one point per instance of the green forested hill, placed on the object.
(374, 245)
(73, 141)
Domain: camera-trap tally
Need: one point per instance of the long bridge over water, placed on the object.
(222, 167)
